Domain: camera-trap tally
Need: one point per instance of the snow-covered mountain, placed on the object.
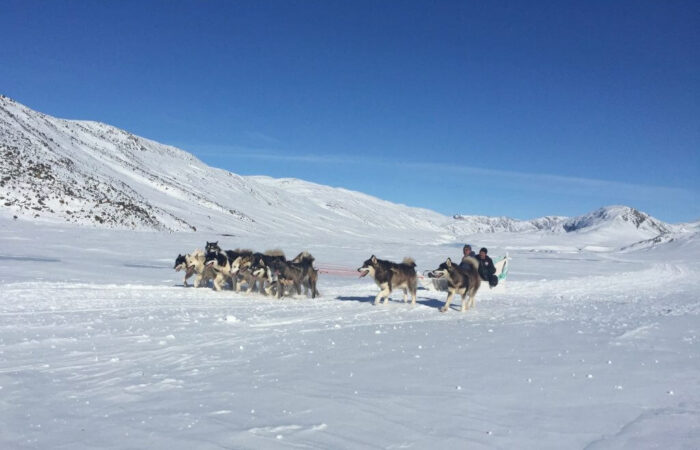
(486, 224)
(621, 217)
(90, 173)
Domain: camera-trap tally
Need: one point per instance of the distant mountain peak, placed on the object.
(611, 217)
(616, 214)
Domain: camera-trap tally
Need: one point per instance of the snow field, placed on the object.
(101, 347)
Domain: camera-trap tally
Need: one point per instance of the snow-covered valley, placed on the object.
(103, 347)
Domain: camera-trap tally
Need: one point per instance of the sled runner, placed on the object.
(501, 264)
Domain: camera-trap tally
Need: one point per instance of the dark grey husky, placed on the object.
(464, 282)
(279, 274)
(250, 264)
(310, 279)
(390, 275)
(212, 247)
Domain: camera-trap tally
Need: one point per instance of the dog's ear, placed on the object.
(449, 262)
(374, 259)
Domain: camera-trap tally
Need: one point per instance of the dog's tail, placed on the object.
(304, 256)
(274, 252)
(474, 263)
(409, 261)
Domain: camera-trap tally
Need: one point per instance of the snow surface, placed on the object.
(102, 347)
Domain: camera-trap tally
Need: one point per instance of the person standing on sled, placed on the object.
(467, 253)
(487, 270)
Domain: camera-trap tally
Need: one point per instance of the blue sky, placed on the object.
(498, 108)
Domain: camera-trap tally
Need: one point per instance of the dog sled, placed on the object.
(501, 264)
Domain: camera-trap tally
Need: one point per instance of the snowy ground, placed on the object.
(101, 347)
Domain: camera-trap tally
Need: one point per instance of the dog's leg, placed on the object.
(383, 293)
(217, 286)
(313, 279)
(265, 287)
(405, 294)
(471, 292)
(413, 294)
(233, 282)
(388, 294)
(251, 284)
(188, 273)
(307, 284)
(389, 289)
(448, 301)
(276, 289)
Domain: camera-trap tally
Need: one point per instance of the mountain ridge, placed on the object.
(90, 173)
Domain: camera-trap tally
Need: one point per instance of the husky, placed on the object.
(219, 263)
(459, 281)
(232, 256)
(212, 247)
(279, 274)
(389, 276)
(181, 264)
(310, 278)
(244, 265)
(194, 262)
(240, 270)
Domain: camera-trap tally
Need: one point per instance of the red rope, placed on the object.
(343, 271)
(339, 271)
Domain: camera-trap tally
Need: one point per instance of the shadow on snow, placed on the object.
(429, 302)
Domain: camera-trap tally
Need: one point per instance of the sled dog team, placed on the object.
(270, 273)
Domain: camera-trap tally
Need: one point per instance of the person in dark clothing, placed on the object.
(467, 253)
(487, 271)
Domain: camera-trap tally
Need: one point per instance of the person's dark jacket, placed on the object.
(486, 268)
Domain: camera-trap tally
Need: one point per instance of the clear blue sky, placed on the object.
(499, 108)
